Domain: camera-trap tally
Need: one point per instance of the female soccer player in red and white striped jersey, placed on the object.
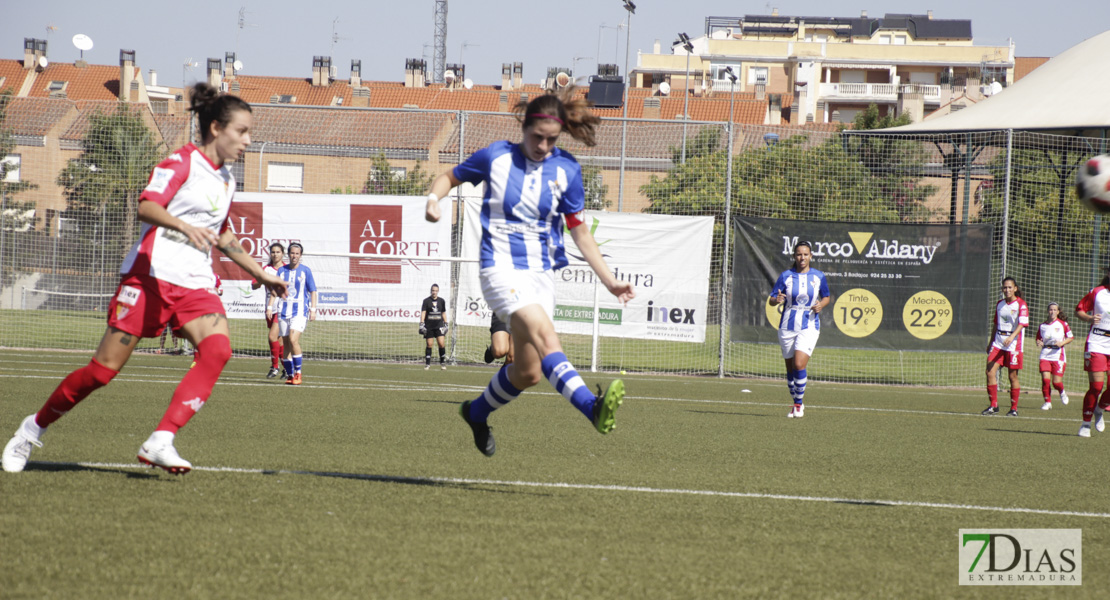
(167, 278)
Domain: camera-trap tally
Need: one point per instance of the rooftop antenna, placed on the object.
(242, 23)
(335, 36)
(82, 42)
(439, 54)
(50, 29)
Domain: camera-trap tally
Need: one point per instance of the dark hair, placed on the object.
(212, 106)
(297, 244)
(572, 112)
(1017, 290)
(1105, 279)
(435, 285)
(803, 243)
(277, 244)
(1059, 313)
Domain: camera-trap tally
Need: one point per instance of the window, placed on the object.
(884, 39)
(56, 86)
(899, 40)
(287, 177)
(236, 169)
(10, 168)
(757, 75)
(287, 99)
(717, 71)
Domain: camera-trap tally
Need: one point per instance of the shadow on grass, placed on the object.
(727, 412)
(1032, 432)
(865, 503)
(73, 467)
(455, 402)
(419, 481)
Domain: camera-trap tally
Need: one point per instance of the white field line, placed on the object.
(612, 488)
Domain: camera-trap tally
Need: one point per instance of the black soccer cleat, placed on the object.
(1012, 413)
(483, 434)
(991, 410)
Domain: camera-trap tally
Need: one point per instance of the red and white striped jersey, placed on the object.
(1097, 304)
(195, 190)
(1053, 334)
(1007, 316)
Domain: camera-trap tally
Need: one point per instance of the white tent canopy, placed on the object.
(1069, 92)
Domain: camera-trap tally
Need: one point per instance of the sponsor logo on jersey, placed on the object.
(159, 180)
(129, 295)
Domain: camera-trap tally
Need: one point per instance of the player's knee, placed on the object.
(215, 350)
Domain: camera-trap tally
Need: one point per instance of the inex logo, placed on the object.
(664, 314)
(1021, 557)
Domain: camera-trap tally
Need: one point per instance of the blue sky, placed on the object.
(280, 37)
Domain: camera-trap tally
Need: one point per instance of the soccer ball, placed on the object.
(1092, 183)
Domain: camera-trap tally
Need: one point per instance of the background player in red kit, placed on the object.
(167, 278)
(1011, 317)
(1052, 336)
(277, 261)
(1094, 308)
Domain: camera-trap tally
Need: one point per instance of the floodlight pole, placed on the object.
(685, 40)
(631, 8)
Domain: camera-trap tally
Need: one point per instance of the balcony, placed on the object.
(873, 92)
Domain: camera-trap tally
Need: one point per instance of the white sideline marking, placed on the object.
(614, 488)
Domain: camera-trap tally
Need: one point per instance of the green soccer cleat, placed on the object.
(605, 407)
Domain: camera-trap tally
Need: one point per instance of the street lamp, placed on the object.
(731, 93)
(685, 41)
(631, 8)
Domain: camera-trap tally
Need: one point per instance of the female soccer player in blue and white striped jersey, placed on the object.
(531, 188)
(803, 292)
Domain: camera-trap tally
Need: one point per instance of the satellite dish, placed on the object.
(468, 83)
(665, 88)
(449, 76)
(995, 87)
(237, 65)
(43, 62)
(83, 42)
(562, 79)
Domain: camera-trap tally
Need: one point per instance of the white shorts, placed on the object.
(509, 290)
(292, 324)
(798, 341)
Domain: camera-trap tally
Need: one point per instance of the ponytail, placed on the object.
(565, 107)
(212, 106)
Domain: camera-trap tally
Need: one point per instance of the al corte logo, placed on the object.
(245, 221)
(375, 230)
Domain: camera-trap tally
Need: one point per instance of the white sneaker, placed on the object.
(1085, 430)
(18, 449)
(163, 456)
(1100, 425)
(443, 367)
(426, 367)
(1064, 398)
(1046, 406)
(797, 412)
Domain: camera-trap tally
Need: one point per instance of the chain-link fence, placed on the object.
(81, 167)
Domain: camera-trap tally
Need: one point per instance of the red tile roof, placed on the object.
(87, 108)
(36, 116)
(258, 89)
(349, 128)
(94, 82)
(13, 74)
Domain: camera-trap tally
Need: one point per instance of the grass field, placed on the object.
(364, 483)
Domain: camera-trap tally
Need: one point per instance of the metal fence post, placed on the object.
(1006, 198)
(456, 250)
(3, 207)
(726, 280)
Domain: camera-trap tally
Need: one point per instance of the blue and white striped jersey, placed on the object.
(522, 225)
(803, 291)
(301, 283)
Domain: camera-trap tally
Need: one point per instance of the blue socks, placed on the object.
(296, 363)
(799, 391)
(288, 364)
(499, 393)
(562, 376)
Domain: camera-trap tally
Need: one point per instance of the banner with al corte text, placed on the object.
(894, 286)
(350, 289)
(666, 258)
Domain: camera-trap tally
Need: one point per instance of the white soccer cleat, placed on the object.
(1046, 406)
(797, 412)
(1100, 425)
(1064, 398)
(18, 450)
(1085, 430)
(163, 456)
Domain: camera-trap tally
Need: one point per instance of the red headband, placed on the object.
(543, 116)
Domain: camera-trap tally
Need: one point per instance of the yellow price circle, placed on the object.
(774, 313)
(858, 313)
(927, 315)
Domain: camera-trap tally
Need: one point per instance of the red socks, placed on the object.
(1015, 393)
(1046, 390)
(212, 354)
(1059, 386)
(992, 393)
(1089, 400)
(73, 389)
(275, 354)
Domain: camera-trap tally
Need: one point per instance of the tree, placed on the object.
(595, 188)
(104, 183)
(8, 189)
(382, 180)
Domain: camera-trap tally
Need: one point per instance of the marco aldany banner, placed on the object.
(350, 289)
(665, 257)
(901, 287)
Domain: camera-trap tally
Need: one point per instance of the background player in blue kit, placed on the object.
(803, 292)
(531, 187)
(295, 310)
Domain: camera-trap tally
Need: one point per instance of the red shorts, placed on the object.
(1094, 362)
(1053, 366)
(270, 320)
(143, 305)
(1010, 360)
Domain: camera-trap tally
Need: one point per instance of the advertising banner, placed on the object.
(666, 258)
(894, 286)
(350, 289)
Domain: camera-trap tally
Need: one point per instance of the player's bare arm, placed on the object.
(314, 298)
(586, 243)
(440, 188)
(155, 214)
(229, 245)
(821, 304)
